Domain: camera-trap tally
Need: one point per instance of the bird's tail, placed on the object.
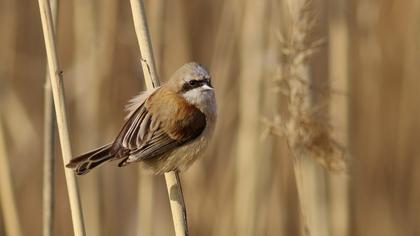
(84, 163)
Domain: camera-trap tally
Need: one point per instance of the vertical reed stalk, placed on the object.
(339, 79)
(8, 34)
(145, 193)
(271, 211)
(157, 29)
(49, 147)
(8, 206)
(88, 88)
(146, 190)
(107, 23)
(173, 184)
(222, 66)
(249, 153)
(311, 190)
(175, 43)
(7, 196)
(410, 113)
(17, 117)
(49, 162)
(61, 114)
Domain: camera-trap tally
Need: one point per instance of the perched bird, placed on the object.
(167, 128)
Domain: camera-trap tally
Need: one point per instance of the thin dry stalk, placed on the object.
(249, 153)
(222, 64)
(7, 196)
(176, 45)
(49, 162)
(87, 101)
(8, 207)
(272, 207)
(145, 193)
(146, 184)
(8, 26)
(17, 118)
(339, 76)
(143, 38)
(173, 184)
(61, 115)
(49, 148)
(157, 29)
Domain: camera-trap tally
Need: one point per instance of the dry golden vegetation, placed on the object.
(318, 126)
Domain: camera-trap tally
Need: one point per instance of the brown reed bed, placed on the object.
(365, 54)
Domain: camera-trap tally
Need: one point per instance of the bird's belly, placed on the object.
(179, 159)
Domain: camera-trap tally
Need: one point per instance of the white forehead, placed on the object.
(196, 70)
(202, 72)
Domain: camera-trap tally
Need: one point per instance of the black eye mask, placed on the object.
(192, 84)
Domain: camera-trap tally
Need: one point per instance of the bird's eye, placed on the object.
(193, 83)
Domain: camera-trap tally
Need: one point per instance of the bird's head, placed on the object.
(193, 82)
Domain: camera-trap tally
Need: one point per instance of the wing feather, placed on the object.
(149, 133)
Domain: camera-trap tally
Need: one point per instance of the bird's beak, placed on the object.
(206, 88)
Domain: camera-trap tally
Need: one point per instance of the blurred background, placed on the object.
(367, 64)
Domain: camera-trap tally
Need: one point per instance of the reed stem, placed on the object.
(7, 196)
(339, 185)
(61, 114)
(49, 148)
(49, 161)
(9, 217)
(173, 184)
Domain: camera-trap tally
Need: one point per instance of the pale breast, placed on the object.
(182, 157)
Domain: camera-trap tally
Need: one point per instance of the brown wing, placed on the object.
(152, 130)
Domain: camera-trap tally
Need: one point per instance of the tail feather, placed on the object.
(84, 163)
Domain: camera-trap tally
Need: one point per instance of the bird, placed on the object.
(166, 128)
